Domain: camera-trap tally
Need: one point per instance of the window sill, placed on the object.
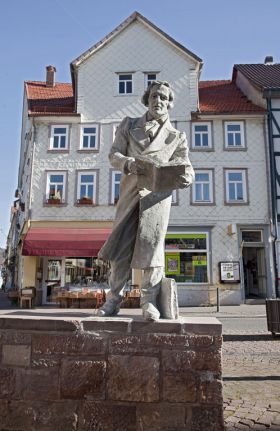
(208, 149)
(51, 204)
(236, 203)
(88, 150)
(235, 148)
(203, 204)
(54, 150)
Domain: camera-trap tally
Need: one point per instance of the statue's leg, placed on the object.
(119, 275)
(151, 282)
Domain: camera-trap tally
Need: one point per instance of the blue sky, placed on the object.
(36, 33)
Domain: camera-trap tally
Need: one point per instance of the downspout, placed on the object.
(273, 192)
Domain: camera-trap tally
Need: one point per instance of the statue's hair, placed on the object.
(145, 97)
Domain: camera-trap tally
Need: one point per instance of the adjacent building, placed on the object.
(220, 230)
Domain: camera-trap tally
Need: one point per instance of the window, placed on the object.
(86, 193)
(175, 197)
(59, 138)
(186, 257)
(202, 189)
(234, 135)
(125, 83)
(56, 183)
(201, 136)
(115, 186)
(236, 190)
(149, 78)
(89, 139)
(251, 235)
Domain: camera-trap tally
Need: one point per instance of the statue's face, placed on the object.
(158, 101)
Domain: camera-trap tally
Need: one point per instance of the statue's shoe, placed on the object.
(150, 312)
(110, 308)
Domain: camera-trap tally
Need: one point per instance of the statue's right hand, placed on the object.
(134, 168)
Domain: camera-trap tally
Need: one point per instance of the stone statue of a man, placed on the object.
(137, 239)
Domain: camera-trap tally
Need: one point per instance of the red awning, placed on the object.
(64, 241)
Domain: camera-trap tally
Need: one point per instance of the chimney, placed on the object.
(50, 76)
(268, 60)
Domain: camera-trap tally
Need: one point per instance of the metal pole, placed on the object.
(218, 300)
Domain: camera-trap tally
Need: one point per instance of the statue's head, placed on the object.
(158, 98)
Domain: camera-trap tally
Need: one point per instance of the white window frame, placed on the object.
(48, 184)
(242, 134)
(175, 197)
(149, 81)
(96, 135)
(243, 173)
(211, 187)
(94, 184)
(126, 81)
(205, 251)
(208, 124)
(53, 134)
(114, 173)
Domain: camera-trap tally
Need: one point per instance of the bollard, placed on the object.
(218, 300)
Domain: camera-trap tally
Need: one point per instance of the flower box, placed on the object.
(85, 201)
(53, 201)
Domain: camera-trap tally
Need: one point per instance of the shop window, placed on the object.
(115, 187)
(85, 271)
(86, 187)
(89, 137)
(201, 136)
(56, 185)
(186, 257)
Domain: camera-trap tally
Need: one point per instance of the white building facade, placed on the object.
(219, 229)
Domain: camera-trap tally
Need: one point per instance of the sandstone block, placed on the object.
(135, 344)
(133, 378)
(163, 417)
(38, 384)
(161, 326)
(179, 387)
(16, 355)
(7, 382)
(107, 417)
(14, 337)
(106, 324)
(177, 361)
(41, 416)
(35, 324)
(82, 344)
(210, 389)
(81, 379)
(208, 418)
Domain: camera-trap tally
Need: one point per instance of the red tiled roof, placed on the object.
(215, 97)
(224, 97)
(43, 100)
(261, 75)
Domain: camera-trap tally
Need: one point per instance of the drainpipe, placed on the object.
(273, 191)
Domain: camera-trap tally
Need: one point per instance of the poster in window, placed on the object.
(172, 263)
(229, 272)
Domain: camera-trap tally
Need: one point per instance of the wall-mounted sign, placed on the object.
(229, 272)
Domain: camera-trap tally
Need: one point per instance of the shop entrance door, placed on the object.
(254, 272)
(51, 278)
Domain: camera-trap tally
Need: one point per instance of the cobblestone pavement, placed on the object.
(251, 374)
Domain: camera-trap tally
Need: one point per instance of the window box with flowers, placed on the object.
(85, 201)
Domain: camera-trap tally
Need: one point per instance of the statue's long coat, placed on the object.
(142, 216)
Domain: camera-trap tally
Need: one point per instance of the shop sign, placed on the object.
(229, 272)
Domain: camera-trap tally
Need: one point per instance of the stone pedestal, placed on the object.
(113, 374)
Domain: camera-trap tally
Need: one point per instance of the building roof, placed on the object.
(224, 97)
(260, 75)
(215, 97)
(136, 16)
(43, 100)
